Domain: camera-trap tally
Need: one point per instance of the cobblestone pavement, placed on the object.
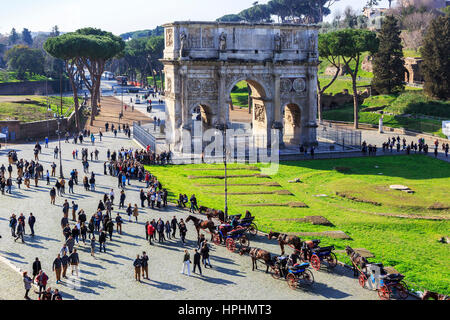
(110, 275)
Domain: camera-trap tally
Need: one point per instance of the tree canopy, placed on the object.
(22, 59)
(436, 63)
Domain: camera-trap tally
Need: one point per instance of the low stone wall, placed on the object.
(34, 87)
(18, 130)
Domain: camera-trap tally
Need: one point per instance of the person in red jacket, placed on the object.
(150, 232)
(41, 280)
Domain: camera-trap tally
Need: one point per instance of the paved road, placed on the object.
(110, 275)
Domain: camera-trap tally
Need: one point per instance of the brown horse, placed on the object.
(356, 258)
(202, 224)
(212, 213)
(258, 254)
(433, 295)
(284, 239)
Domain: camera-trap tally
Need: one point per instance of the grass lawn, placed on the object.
(409, 245)
(239, 94)
(11, 76)
(408, 102)
(31, 108)
(158, 81)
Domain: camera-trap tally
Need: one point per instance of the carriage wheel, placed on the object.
(216, 239)
(402, 291)
(362, 280)
(244, 241)
(253, 229)
(276, 274)
(308, 277)
(384, 293)
(292, 281)
(315, 262)
(331, 260)
(231, 245)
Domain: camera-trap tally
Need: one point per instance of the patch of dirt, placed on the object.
(350, 197)
(288, 204)
(267, 184)
(256, 175)
(438, 206)
(316, 220)
(281, 192)
(405, 216)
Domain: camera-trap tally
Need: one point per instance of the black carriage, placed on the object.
(231, 236)
(316, 255)
(249, 225)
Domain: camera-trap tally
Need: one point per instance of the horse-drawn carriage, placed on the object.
(375, 277)
(231, 235)
(314, 254)
(294, 275)
(248, 224)
(386, 284)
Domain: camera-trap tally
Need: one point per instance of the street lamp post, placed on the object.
(61, 175)
(223, 127)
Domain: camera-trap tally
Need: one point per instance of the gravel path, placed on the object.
(110, 275)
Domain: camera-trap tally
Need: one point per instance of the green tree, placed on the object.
(26, 37)
(155, 48)
(55, 32)
(96, 48)
(68, 49)
(230, 18)
(388, 64)
(330, 51)
(353, 43)
(436, 63)
(22, 59)
(13, 37)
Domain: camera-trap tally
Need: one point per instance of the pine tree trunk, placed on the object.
(355, 103)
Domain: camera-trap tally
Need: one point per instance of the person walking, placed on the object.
(56, 267)
(174, 224)
(20, 231)
(197, 261)
(74, 260)
(136, 212)
(13, 224)
(102, 240)
(160, 229)
(27, 281)
(119, 222)
(137, 268)
(144, 262)
(36, 267)
(186, 263)
(93, 245)
(150, 232)
(122, 200)
(65, 264)
(41, 279)
(109, 228)
(31, 222)
(70, 243)
(167, 229)
(183, 231)
(204, 251)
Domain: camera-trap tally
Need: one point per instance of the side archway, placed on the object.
(292, 120)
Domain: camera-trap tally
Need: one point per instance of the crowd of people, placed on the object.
(402, 145)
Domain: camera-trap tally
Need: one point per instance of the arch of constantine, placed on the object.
(203, 61)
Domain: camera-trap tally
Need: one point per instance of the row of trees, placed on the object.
(140, 59)
(86, 49)
(299, 11)
(348, 45)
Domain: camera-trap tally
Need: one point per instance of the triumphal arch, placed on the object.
(203, 61)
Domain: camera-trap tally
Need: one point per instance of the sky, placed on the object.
(122, 16)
